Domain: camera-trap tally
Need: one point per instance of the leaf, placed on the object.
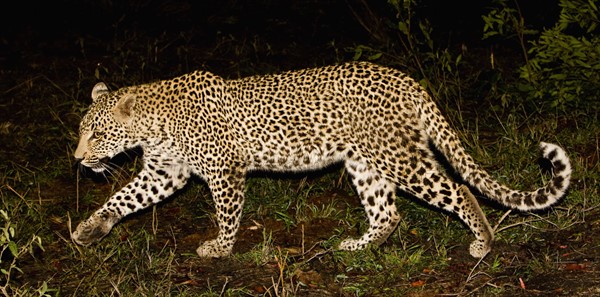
(558, 76)
(574, 267)
(4, 214)
(403, 27)
(357, 54)
(417, 283)
(44, 288)
(375, 56)
(522, 283)
(14, 250)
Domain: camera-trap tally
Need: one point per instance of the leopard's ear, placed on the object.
(99, 89)
(123, 111)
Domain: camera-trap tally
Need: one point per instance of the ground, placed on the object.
(291, 222)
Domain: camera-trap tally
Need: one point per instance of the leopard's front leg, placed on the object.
(158, 180)
(227, 189)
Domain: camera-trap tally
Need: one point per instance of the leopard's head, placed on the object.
(106, 129)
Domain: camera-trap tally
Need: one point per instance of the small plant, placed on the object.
(11, 252)
(562, 63)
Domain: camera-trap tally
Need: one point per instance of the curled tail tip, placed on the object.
(558, 157)
(561, 171)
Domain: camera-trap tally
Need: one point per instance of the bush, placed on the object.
(11, 251)
(562, 63)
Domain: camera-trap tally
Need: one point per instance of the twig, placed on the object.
(77, 193)
(474, 267)
(545, 220)
(224, 286)
(488, 283)
(154, 221)
(501, 219)
(303, 239)
(517, 224)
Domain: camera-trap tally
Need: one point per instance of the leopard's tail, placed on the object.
(446, 140)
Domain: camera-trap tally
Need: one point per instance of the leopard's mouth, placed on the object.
(97, 165)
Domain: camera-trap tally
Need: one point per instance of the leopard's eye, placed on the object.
(97, 135)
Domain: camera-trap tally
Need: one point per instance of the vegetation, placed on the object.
(562, 63)
(522, 84)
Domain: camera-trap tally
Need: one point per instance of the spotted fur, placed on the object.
(375, 120)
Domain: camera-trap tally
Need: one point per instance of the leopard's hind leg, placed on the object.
(429, 184)
(377, 195)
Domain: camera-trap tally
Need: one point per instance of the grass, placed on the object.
(291, 222)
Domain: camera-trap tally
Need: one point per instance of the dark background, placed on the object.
(35, 31)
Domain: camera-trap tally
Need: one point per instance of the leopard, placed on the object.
(376, 122)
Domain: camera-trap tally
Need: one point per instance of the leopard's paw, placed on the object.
(212, 249)
(479, 248)
(94, 228)
(351, 244)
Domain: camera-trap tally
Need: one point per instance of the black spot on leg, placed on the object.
(371, 200)
(390, 198)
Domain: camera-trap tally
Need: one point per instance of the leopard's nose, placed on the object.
(104, 160)
(77, 163)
